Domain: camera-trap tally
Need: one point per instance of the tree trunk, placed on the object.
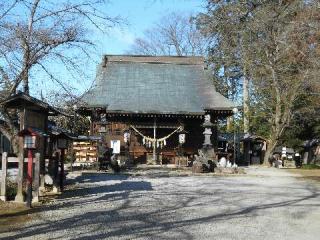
(245, 104)
(15, 144)
(270, 148)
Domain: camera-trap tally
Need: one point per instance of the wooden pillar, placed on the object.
(55, 173)
(29, 179)
(42, 157)
(19, 196)
(36, 179)
(154, 138)
(215, 134)
(42, 172)
(3, 195)
(62, 170)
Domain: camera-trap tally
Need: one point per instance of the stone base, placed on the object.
(289, 164)
(19, 198)
(230, 170)
(48, 179)
(55, 189)
(42, 191)
(197, 167)
(3, 198)
(207, 153)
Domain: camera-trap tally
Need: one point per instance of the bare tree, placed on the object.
(275, 44)
(288, 61)
(174, 34)
(34, 34)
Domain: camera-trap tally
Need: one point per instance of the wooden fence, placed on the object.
(20, 177)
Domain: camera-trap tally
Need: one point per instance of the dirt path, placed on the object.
(264, 204)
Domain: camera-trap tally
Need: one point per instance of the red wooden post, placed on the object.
(29, 178)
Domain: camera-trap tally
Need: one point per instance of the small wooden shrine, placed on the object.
(33, 114)
(33, 117)
(254, 148)
(141, 104)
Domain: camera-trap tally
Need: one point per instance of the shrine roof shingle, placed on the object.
(149, 84)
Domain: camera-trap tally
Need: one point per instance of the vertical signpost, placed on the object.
(29, 144)
(62, 145)
(29, 178)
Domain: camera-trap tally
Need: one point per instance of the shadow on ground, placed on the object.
(132, 218)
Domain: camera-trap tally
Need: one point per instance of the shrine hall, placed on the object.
(152, 108)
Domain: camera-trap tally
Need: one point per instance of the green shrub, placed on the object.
(11, 190)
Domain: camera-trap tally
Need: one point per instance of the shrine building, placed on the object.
(139, 105)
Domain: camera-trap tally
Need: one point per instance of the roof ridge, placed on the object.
(188, 60)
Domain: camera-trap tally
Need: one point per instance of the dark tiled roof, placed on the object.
(54, 130)
(18, 101)
(144, 84)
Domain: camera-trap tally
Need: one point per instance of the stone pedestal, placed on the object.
(197, 167)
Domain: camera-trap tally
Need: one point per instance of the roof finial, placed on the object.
(104, 61)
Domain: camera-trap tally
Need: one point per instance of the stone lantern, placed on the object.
(207, 125)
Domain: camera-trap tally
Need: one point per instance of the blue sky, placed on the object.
(139, 15)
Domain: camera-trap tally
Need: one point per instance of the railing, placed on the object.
(53, 172)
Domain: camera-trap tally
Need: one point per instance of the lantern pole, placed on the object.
(29, 178)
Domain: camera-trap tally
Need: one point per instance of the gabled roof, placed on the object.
(22, 99)
(148, 84)
(56, 131)
(252, 137)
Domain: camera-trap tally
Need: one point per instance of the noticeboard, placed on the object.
(115, 145)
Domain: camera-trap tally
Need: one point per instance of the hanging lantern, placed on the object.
(30, 138)
(126, 136)
(182, 136)
(29, 142)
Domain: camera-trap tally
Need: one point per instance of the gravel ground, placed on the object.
(263, 204)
